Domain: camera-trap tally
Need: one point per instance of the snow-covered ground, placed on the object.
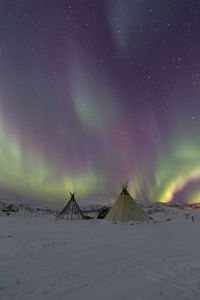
(41, 258)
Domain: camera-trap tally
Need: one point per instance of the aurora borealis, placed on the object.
(95, 93)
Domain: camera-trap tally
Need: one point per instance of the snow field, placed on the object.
(41, 258)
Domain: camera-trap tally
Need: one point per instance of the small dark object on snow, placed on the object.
(88, 217)
(12, 208)
(168, 219)
(187, 215)
(192, 218)
(9, 208)
(161, 293)
(103, 212)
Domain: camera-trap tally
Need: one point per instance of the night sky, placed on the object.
(94, 93)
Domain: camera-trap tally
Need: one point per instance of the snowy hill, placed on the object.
(91, 205)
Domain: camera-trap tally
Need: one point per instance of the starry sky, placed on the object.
(94, 93)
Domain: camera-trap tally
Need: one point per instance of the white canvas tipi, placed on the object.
(126, 209)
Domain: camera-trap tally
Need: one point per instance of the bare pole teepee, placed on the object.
(71, 211)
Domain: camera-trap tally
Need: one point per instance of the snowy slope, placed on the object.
(92, 205)
(41, 258)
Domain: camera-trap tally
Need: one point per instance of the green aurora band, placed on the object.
(27, 174)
